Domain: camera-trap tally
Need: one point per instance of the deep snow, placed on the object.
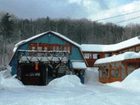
(131, 82)
(67, 81)
(8, 81)
(69, 91)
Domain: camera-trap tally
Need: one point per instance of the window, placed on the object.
(86, 55)
(95, 56)
(60, 48)
(107, 55)
(54, 48)
(90, 56)
(65, 48)
(45, 48)
(39, 48)
(138, 48)
(57, 48)
(100, 73)
(115, 73)
(33, 48)
(105, 73)
(68, 49)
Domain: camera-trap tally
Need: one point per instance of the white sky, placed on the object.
(90, 9)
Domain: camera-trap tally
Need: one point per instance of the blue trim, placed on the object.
(49, 38)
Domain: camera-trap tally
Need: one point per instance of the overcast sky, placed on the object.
(90, 9)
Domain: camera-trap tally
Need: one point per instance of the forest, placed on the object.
(14, 29)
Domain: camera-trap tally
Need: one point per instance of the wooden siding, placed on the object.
(91, 60)
(92, 57)
(122, 68)
(50, 39)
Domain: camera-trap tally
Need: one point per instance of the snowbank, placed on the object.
(10, 83)
(131, 82)
(7, 81)
(65, 82)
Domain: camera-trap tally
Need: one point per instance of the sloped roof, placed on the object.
(111, 47)
(79, 65)
(119, 57)
(42, 34)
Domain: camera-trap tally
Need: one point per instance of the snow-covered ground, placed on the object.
(69, 91)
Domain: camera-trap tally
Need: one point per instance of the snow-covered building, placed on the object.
(117, 67)
(46, 56)
(92, 52)
(115, 61)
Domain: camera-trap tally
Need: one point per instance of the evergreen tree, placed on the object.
(6, 32)
(6, 25)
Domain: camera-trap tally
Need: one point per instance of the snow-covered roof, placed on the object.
(44, 33)
(120, 57)
(93, 47)
(111, 47)
(78, 65)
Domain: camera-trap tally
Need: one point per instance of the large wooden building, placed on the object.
(101, 55)
(46, 56)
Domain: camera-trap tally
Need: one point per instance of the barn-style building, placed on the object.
(46, 56)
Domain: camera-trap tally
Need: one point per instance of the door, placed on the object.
(31, 76)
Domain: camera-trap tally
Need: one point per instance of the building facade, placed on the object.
(113, 70)
(46, 56)
(49, 55)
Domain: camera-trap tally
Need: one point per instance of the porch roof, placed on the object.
(119, 57)
(79, 65)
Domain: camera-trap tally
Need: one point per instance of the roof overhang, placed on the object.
(78, 65)
(118, 58)
(42, 34)
(111, 47)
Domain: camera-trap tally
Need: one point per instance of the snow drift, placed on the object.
(131, 82)
(65, 82)
(8, 81)
(79, 95)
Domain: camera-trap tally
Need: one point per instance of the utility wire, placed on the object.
(128, 20)
(118, 15)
